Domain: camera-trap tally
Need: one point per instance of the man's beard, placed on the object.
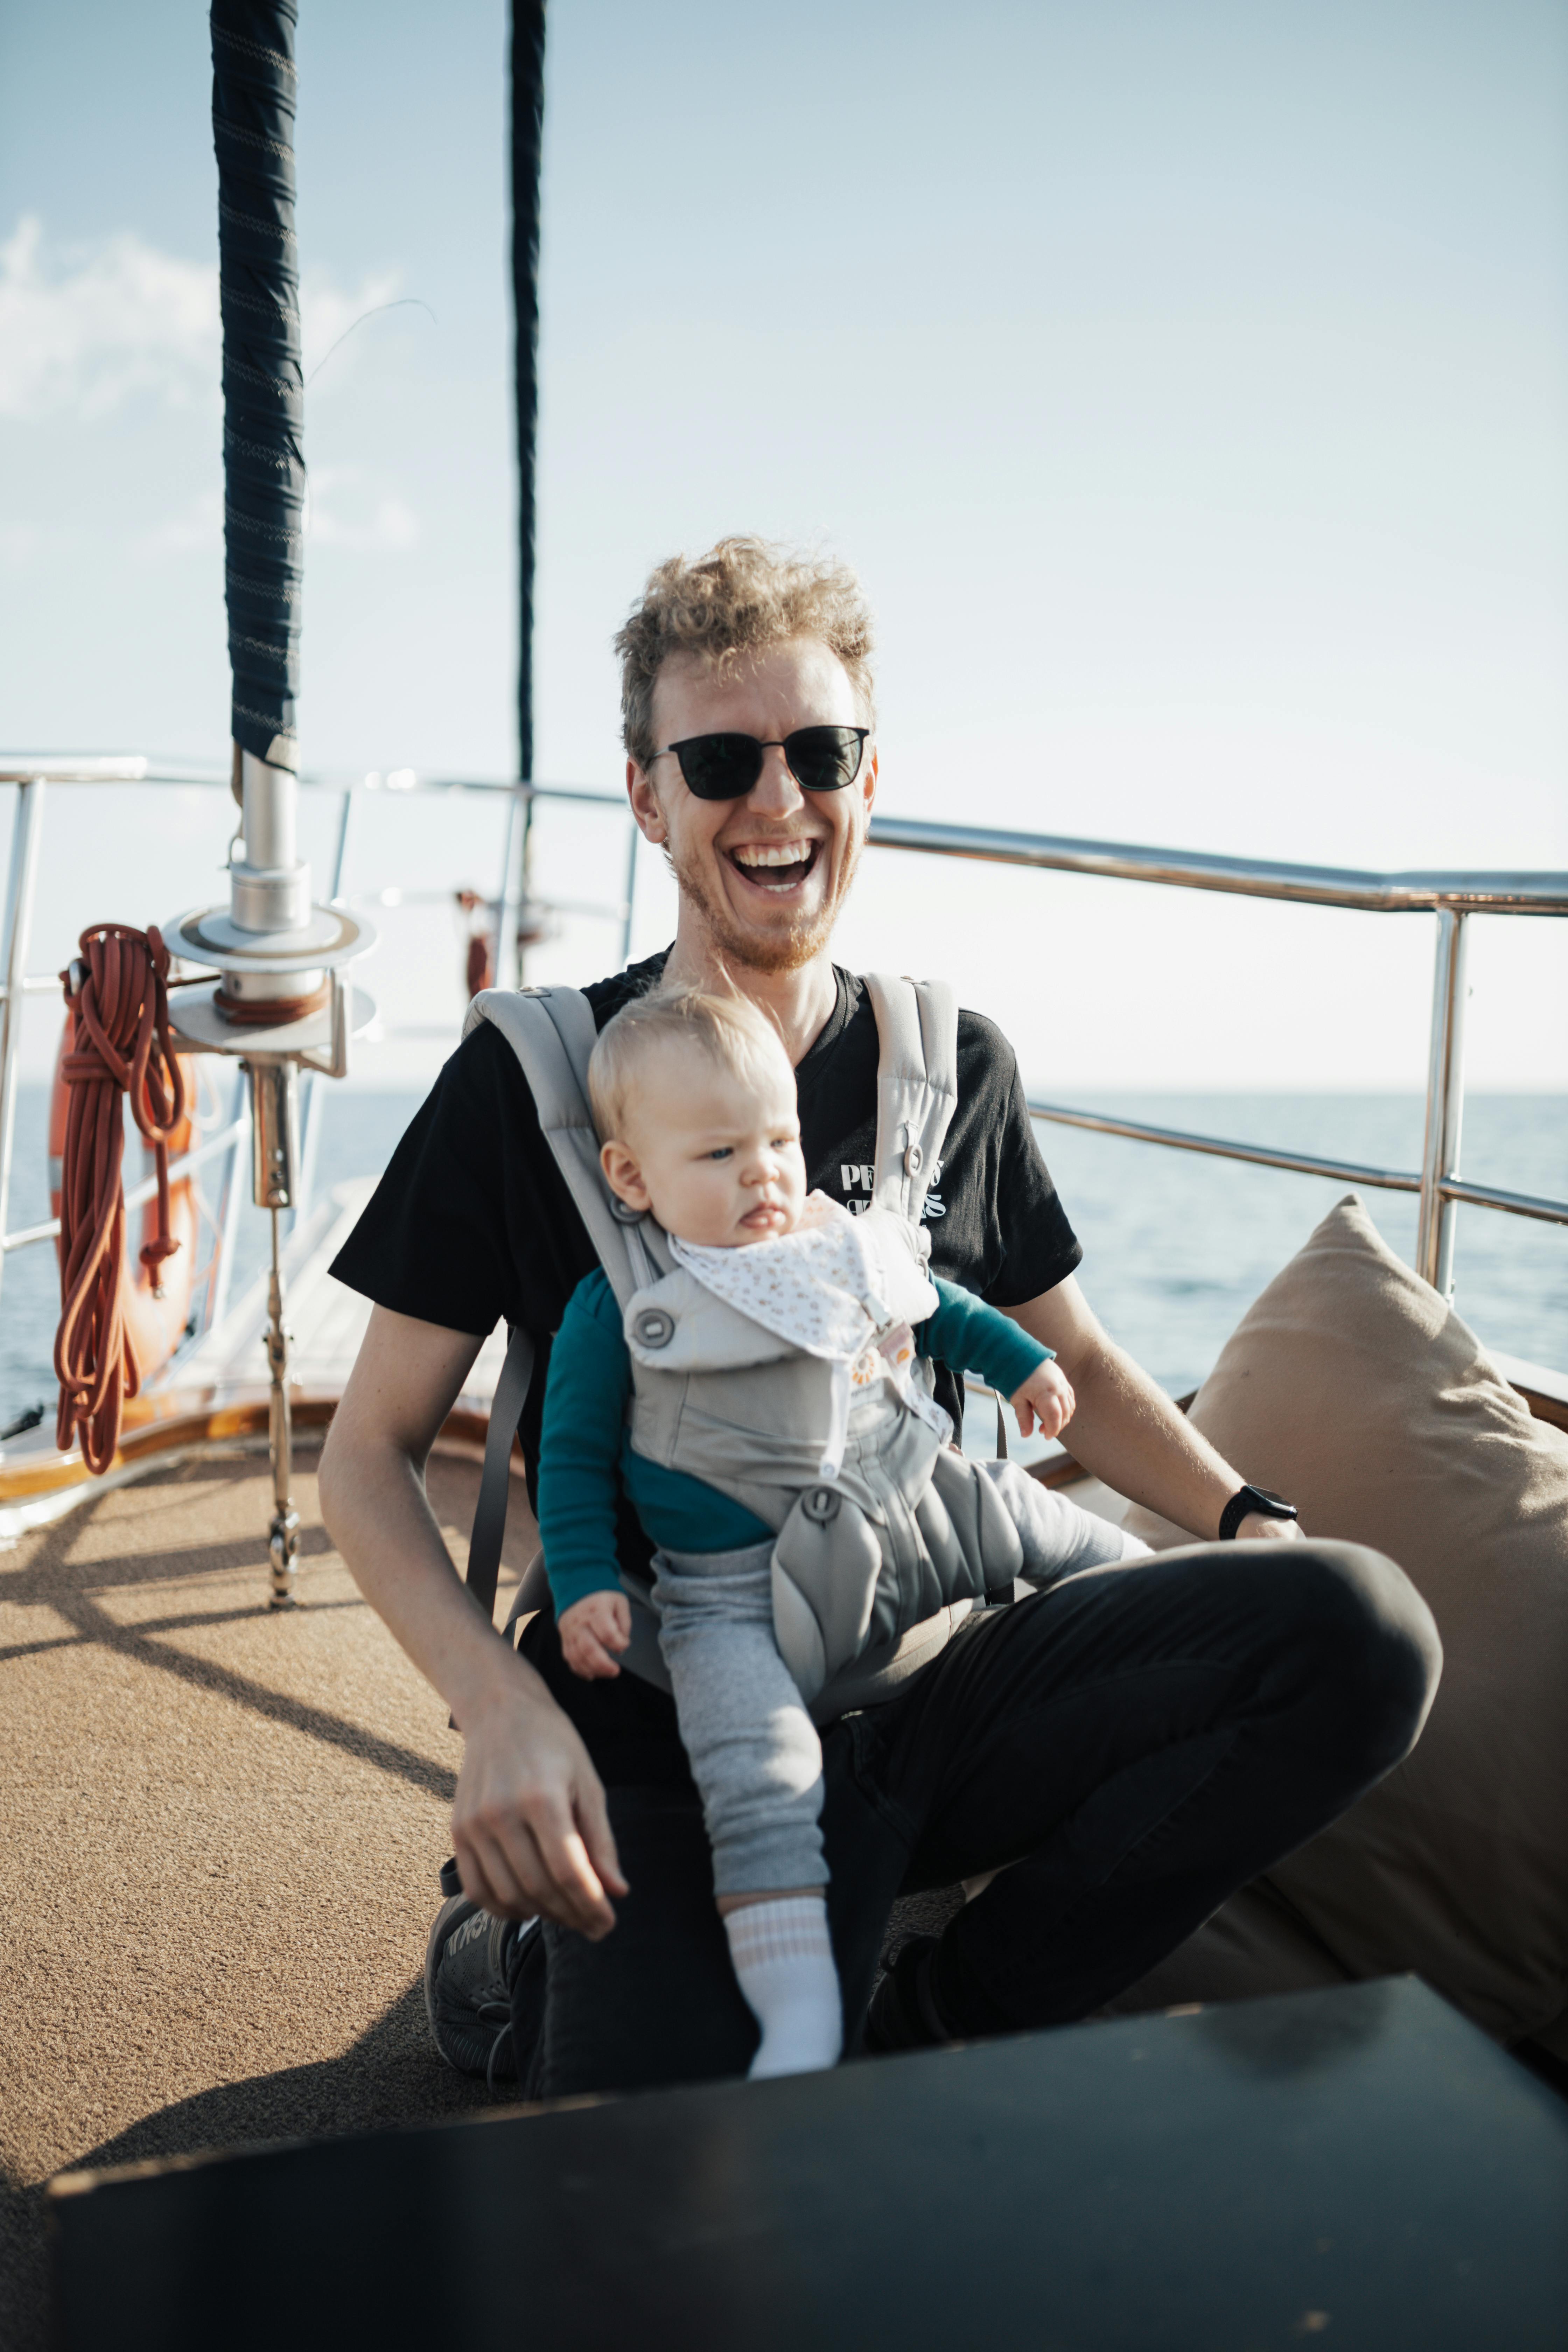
(771, 951)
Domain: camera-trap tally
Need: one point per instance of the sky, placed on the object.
(1188, 383)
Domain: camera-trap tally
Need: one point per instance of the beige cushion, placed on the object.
(1356, 1390)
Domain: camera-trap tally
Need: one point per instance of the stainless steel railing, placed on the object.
(1187, 869)
(1451, 897)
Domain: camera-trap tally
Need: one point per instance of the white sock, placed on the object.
(783, 1965)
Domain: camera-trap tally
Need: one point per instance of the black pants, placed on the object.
(1136, 1743)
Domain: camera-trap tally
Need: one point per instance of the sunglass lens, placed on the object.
(824, 758)
(719, 767)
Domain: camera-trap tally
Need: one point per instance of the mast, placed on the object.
(280, 1004)
(516, 922)
(263, 442)
(527, 135)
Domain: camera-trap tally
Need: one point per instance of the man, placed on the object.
(1123, 1749)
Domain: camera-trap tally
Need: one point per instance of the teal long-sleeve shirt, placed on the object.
(585, 1451)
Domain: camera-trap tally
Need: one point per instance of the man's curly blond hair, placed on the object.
(743, 597)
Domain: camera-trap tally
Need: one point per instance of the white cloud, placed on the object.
(343, 509)
(85, 328)
(109, 320)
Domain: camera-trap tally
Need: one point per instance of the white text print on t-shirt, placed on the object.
(856, 1179)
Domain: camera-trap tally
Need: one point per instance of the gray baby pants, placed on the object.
(752, 1748)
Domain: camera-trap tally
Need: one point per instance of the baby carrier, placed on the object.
(873, 1566)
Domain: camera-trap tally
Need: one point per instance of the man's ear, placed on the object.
(645, 804)
(624, 1177)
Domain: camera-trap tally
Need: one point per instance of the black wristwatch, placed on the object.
(1247, 1499)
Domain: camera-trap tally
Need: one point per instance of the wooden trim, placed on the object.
(1544, 1408)
(174, 1424)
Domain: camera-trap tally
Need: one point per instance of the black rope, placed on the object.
(527, 136)
(259, 280)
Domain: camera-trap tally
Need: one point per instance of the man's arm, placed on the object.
(529, 1824)
(973, 1337)
(1127, 1431)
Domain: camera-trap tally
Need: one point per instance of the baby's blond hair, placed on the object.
(732, 1032)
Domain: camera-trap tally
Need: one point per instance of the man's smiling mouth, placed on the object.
(774, 865)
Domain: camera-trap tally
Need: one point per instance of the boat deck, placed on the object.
(224, 1827)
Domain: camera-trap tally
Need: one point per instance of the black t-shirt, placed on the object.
(472, 1223)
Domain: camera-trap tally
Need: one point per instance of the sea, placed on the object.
(1175, 1247)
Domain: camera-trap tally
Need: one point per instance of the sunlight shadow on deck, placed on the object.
(75, 1587)
(391, 2075)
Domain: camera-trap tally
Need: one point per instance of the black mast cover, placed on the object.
(263, 439)
(527, 134)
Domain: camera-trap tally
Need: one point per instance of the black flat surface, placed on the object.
(1360, 2165)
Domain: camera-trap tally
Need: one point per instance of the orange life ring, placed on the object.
(153, 1324)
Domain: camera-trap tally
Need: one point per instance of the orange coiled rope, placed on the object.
(117, 999)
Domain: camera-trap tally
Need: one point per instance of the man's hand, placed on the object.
(529, 1826)
(1045, 1400)
(591, 1629)
(1258, 1523)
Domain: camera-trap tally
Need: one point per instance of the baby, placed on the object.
(695, 1099)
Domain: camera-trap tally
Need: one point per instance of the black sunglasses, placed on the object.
(726, 767)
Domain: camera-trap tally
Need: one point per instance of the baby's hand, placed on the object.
(1047, 1398)
(591, 1629)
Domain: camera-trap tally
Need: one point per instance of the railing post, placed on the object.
(631, 894)
(508, 902)
(524, 887)
(27, 828)
(315, 1094)
(1445, 1103)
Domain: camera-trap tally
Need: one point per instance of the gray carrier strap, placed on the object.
(917, 1086)
(551, 1032)
(489, 1518)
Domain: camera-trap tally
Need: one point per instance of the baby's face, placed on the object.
(717, 1157)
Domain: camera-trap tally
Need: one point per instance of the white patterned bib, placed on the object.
(843, 1289)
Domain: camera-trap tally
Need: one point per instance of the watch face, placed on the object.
(1264, 1495)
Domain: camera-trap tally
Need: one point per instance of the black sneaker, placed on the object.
(903, 2014)
(470, 1962)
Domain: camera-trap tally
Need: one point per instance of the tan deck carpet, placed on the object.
(219, 1846)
